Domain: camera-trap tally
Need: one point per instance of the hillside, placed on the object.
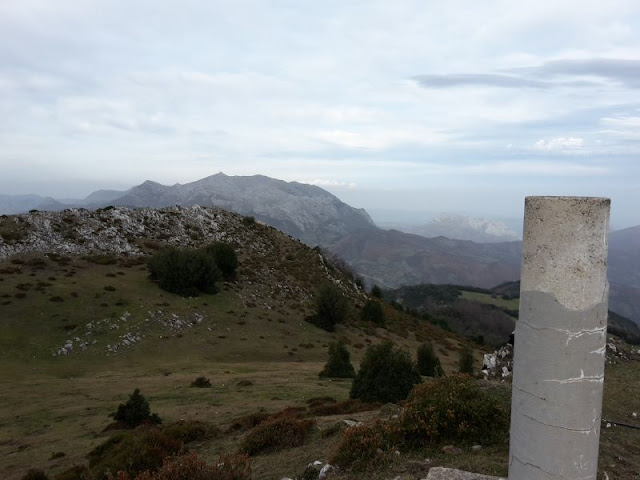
(391, 259)
(81, 326)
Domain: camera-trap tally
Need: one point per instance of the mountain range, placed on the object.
(389, 258)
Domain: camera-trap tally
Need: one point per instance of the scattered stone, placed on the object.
(441, 473)
(476, 448)
(324, 472)
(451, 450)
(351, 423)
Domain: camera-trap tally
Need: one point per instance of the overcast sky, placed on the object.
(415, 105)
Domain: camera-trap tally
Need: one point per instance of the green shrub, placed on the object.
(453, 410)
(191, 467)
(186, 272)
(35, 474)
(77, 472)
(277, 433)
(225, 257)
(365, 447)
(135, 451)
(135, 411)
(331, 308)
(248, 220)
(428, 362)
(201, 382)
(376, 291)
(187, 431)
(339, 364)
(387, 374)
(466, 361)
(372, 312)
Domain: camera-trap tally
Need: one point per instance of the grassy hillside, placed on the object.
(82, 326)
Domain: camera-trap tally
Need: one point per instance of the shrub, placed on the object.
(376, 291)
(201, 382)
(35, 474)
(101, 259)
(187, 431)
(186, 272)
(135, 411)
(360, 447)
(191, 467)
(372, 312)
(342, 408)
(142, 449)
(466, 361)
(386, 374)
(77, 472)
(276, 433)
(331, 308)
(225, 257)
(249, 220)
(339, 364)
(428, 362)
(453, 410)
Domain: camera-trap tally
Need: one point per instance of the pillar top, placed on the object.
(566, 249)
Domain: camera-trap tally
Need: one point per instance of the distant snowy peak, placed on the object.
(462, 227)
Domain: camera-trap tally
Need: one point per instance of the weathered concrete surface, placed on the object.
(560, 340)
(440, 473)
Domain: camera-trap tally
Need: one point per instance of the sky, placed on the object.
(391, 105)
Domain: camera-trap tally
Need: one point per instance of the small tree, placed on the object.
(376, 291)
(387, 374)
(428, 362)
(225, 257)
(466, 361)
(339, 364)
(135, 411)
(373, 312)
(331, 308)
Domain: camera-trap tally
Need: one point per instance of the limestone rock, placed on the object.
(441, 473)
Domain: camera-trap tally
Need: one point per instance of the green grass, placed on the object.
(512, 304)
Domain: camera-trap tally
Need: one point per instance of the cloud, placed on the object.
(483, 79)
(577, 73)
(561, 144)
(324, 182)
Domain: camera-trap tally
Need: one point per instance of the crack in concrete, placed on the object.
(587, 431)
(529, 393)
(552, 475)
(581, 379)
(569, 333)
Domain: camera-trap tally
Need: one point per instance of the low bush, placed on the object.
(372, 312)
(144, 448)
(387, 374)
(428, 362)
(185, 271)
(35, 474)
(453, 410)
(191, 467)
(188, 431)
(342, 408)
(225, 257)
(135, 411)
(366, 447)
(466, 361)
(339, 363)
(247, 422)
(277, 433)
(77, 472)
(201, 382)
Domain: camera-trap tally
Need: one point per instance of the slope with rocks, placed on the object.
(304, 211)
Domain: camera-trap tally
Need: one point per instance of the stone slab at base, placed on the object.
(440, 473)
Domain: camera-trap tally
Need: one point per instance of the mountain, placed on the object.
(306, 212)
(392, 259)
(10, 204)
(463, 227)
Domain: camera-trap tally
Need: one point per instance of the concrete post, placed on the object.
(560, 340)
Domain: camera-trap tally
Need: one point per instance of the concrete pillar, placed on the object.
(560, 340)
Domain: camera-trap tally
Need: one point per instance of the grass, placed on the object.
(498, 301)
(252, 343)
